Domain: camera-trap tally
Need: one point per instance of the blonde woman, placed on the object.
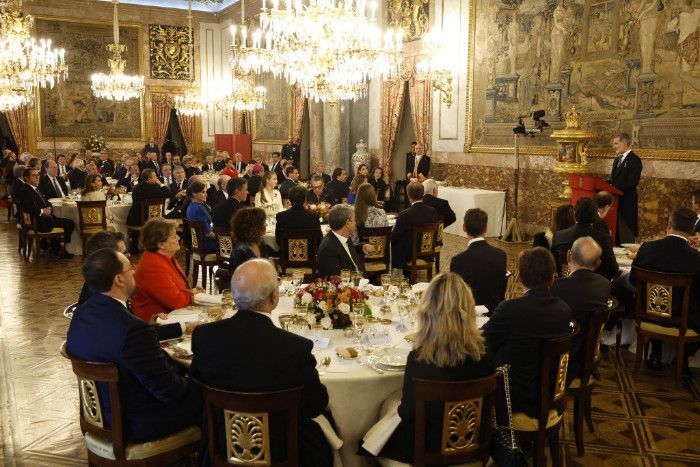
(448, 347)
(268, 195)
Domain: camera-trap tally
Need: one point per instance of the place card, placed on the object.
(321, 342)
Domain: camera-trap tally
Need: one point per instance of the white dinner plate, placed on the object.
(630, 245)
(391, 358)
(624, 261)
(207, 299)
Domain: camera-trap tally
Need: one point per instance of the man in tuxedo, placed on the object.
(673, 254)
(603, 201)
(238, 163)
(18, 184)
(276, 166)
(148, 188)
(223, 359)
(219, 194)
(33, 202)
(518, 328)
(209, 165)
(337, 251)
(237, 189)
(338, 186)
(166, 177)
(220, 160)
(695, 206)
(51, 185)
(442, 206)
(62, 168)
(292, 152)
(296, 217)
(402, 235)
(586, 212)
(132, 178)
(152, 163)
(178, 193)
(151, 147)
(77, 175)
(291, 180)
(190, 168)
(418, 164)
(321, 172)
(318, 193)
(157, 400)
(482, 266)
(105, 165)
(585, 292)
(625, 175)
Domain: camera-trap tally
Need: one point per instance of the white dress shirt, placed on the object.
(473, 240)
(344, 242)
(57, 186)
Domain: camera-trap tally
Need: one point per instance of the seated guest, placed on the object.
(166, 177)
(337, 250)
(367, 214)
(157, 400)
(93, 189)
(222, 359)
(442, 206)
(248, 227)
(33, 203)
(321, 172)
(121, 170)
(292, 174)
(482, 266)
(17, 184)
(51, 185)
(209, 165)
(188, 163)
(255, 179)
(338, 186)
(186, 200)
(76, 177)
(695, 206)
(104, 239)
(673, 254)
(132, 179)
(105, 166)
(318, 192)
(238, 164)
(377, 181)
(197, 193)
(91, 168)
(517, 328)
(296, 217)
(161, 284)
(603, 200)
(586, 212)
(268, 196)
(448, 347)
(417, 214)
(361, 169)
(354, 185)
(148, 188)
(229, 169)
(220, 160)
(276, 165)
(62, 169)
(237, 189)
(585, 292)
(564, 217)
(219, 194)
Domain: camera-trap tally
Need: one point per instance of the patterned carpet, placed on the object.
(646, 423)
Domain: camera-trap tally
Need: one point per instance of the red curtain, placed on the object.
(161, 118)
(187, 126)
(17, 119)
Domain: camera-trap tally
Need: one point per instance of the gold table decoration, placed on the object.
(571, 149)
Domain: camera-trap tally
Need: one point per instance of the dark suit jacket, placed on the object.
(223, 359)
(120, 172)
(127, 183)
(483, 268)
(332, 257)
(209, 167)
(254, 185)
(327, 196)
(673, 254)
(142, 192)
(277, 168)
(515, 334)
(339, 189)
(106, 167)
(291, 152)
(626, 178)
(563, 239)
(175, 188)
(216, 197)
(295, 218)
(379, 186)
(151, 165)
(223, 212)
(32, 202)
(76, 177)
(400, 446)
(240, 167)
(585, 292)
(423, 164)
(48, 190)
(151, 148)
(286, 185)
(442, 206)
(599, 224)
(17, 188)
(192, 170)
(696, 228)
(156, 400)
(401, 236)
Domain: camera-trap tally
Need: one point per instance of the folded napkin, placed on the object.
(481, 320)
(377, 436)
(420, 286)
(208, 299)
(328, 431)
(481, 310)
(184, 319)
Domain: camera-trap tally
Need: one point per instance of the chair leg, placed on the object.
(195, 273)
(618, 337)
(437, 264)
(588, 414)
(638, 356)
(413, 276)
(579, 409)
(538, 458)
(205, 271)
(430, 274)
(554, 451)
(680, 359)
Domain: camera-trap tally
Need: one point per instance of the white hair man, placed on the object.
(442, 206)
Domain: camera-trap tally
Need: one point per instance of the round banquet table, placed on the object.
(116, 217)
(356, 392)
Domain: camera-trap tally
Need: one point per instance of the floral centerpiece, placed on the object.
(330, 302)
(94, 143)
(321, 209)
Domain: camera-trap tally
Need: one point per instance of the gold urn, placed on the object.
(571, 149)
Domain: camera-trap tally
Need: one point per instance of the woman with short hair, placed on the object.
(248, 226)
(196, 211)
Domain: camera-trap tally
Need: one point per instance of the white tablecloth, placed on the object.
(462, 199)
(116, 217)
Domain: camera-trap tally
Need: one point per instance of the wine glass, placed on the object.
(359, 322)
(386, 282)
(288, 284)
(356, 278)
(345, 276)
(297, 279)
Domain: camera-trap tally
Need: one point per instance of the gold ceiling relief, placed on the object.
(411, 15)
(170, 52)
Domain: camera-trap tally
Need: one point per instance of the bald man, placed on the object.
(249, 353)
(584, 291)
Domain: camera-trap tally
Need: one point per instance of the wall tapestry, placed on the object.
(411, 15)
(627, 65)
(71, 104)
(169, 49)
(273, 124)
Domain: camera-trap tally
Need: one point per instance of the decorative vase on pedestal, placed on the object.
(361, 156)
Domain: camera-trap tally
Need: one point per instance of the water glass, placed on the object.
(297, 279)
(287, 285)
(345, 276)
(356, 277)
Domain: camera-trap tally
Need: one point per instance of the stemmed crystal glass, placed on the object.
(386, 282)
(288, 285)
(356, 278)
(345, 276)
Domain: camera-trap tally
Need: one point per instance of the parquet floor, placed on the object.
(642, 423)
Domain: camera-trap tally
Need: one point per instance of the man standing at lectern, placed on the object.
(626, 171)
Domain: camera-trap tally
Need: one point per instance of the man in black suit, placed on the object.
(321, 172)
(291, 152)
(237, 189)
(337, 251)
(218, 194)
(77, 175)
(51, 185)
(151, 147)
(223, 359)
(318, 193)
(292, 174)
(190, 167)
(402, 235)
(518, 328)
(482, 266)
(148, 188)
(673, 254)
(33, 202)
(166, 176)
(418, 164)
(585, 292)
(442, 206)
(209, 165)
(603, 201)
(586, 212)
(338, 186)
(105, 165)
(62, 168)
(132, 178)
(276, 166)
(178, 193)
(695, 206)
(238, 163)
(625, 175)
(157, 400)
(296, 217)
(220, 160)
(152, 163)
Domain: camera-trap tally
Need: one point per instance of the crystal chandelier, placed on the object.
(438, 66)
(191, 104)
(327, 48)
(25, 62)
(243, 96)
(116, 86)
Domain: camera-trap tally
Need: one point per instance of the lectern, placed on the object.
(586, 186)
